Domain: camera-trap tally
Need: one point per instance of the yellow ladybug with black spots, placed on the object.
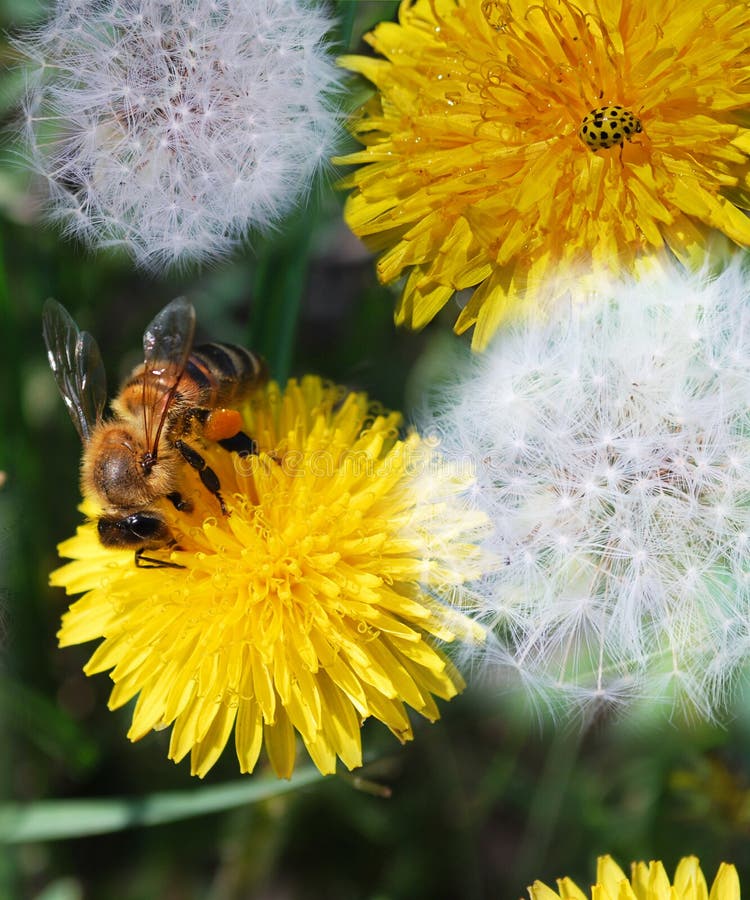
(608, 126)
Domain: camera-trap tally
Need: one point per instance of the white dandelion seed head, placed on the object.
(612, 451)
(174, 127)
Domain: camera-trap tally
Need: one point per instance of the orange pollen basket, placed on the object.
(222, 424)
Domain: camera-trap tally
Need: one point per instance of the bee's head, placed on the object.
(140, 530)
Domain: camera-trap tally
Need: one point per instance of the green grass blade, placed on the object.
(49, 820)
(347, 10)
(280, 281)
(27, 711)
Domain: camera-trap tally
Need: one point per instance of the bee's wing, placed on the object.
(77, 366)
(167, 343)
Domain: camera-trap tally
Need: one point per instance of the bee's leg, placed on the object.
(212, 424)
(241, 444)
(207, 475)
(245, 447)
(179, 502)
(196, 414)
(150, 562)
(222, 426)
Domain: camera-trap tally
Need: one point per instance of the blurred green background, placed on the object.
(478, 806)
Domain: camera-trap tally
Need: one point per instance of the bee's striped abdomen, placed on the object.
(223, 373)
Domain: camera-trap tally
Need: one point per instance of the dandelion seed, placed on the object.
(162, 91)
(622, 514)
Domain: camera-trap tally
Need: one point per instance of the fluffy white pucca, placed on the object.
(612, 447)
(173, 127)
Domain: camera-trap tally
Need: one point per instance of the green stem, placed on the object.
(280, 279)
(546, 804)
(9, 346)
(347, 14)
(49, 820)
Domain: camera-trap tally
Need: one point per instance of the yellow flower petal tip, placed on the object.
(648, 881)
(318, 601)
(516, 151)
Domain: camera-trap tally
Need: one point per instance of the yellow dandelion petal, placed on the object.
(689, 880)
(648, 881)
(317, 602)
(726, 885)
(610, 876)
(539, 891)
(248, 734)
(523, 150)
(569, 890)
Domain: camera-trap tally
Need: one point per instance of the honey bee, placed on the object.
(180, 394)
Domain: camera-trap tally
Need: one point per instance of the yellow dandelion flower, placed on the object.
(517, 149)
(317, 602)
(646, 882)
